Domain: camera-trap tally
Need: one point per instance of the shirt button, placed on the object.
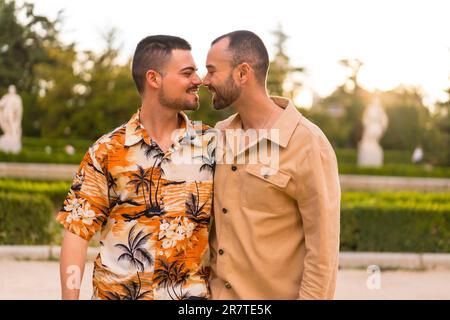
(224, 210)
(220, 251)
(227, 285)
(234, 168)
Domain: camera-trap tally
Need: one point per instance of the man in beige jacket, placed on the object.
(276, 225)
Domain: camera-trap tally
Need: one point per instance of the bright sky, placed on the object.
(401, 41)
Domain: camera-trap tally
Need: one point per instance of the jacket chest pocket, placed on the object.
(264, 188)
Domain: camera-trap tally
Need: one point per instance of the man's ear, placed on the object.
(153, 79)
(244, 71)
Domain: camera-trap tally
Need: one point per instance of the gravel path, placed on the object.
(40, 280)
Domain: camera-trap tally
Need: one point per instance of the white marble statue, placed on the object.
(417, 155)
(11, 121)
(375, 121)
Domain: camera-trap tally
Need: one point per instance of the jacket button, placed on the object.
(234, 168)
(266, 176)
(220, 251)
(224, 210)
(227, 285)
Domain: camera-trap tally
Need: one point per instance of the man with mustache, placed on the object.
(147, 188)
(276, 226)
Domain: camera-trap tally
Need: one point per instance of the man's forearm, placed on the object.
(72, 262)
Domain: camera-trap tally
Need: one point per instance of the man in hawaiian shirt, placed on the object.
(146, 187)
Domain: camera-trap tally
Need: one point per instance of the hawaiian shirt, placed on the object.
(152, 210)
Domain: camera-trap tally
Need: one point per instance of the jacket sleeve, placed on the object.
(318, 196)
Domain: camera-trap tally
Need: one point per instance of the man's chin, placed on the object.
(191, 107)
(218, 105)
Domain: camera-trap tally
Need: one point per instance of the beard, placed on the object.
(226, 94)
(177, 103)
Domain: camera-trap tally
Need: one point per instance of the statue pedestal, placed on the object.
(370, 154)
(10, 144)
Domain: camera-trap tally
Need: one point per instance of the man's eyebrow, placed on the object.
(210, 66)
(190, 68)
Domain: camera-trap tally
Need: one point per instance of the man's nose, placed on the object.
(206, 81)
(197, 80)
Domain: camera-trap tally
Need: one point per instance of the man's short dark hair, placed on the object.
(245, 46)
(152, 53)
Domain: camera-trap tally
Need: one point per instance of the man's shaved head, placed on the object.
(247, 47)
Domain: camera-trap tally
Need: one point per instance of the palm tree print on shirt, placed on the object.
(194, 209)
(144, 180)
(135, 253)
(132, 289)
(172, 276)
(209, 161)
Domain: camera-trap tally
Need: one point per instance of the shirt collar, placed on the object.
(285, 124)
(288, 120)
(135, 131)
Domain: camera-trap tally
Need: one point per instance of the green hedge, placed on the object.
(25, 219)
(395, 222)
(393, 198)
(40, 156)
(397, 163)
(350, 156)
(56, 144)
(56, 191)
(370, 221)
(401, 170)
(33, 151)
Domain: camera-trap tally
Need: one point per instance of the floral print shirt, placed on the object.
(152, 210)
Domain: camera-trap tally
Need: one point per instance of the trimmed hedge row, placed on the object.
(383, 221)
(399, 197)
(401, 170)
(57, 144)
(40, 156)
(395, 229)
(56, 191)
(33, 151)
(25, 219)
(395, 222)
(397, 162)
(350, 156)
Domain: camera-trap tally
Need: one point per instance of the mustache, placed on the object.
(193, 88)
(211, 88)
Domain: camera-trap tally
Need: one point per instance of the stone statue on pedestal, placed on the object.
(11, 121)
(375, 121)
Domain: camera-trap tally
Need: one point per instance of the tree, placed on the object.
(437, 134)
(339, 115)
(24, 46)
(109, 95)
(407, 118)
(281, 72)
(358, 99)
(352, 80)
(61, 93)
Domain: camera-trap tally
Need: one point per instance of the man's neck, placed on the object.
(159, 122)
(257, 111)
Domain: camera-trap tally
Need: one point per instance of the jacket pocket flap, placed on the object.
(271, 175)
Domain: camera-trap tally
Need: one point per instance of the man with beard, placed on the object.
(276, 227)
(147, 187)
